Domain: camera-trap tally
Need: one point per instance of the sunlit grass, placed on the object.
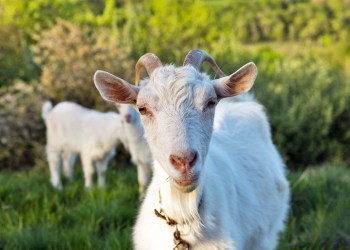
(320, 214)
(35, 216)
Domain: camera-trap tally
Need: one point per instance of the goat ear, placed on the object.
(114, 89)
(239, 82)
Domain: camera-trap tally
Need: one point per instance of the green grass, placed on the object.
(35, 216)
(320, 212)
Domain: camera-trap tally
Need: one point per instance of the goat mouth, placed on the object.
(186, 184)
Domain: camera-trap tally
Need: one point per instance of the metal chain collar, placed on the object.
(180, 244)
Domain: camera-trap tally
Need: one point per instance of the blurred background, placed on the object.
(50, 49)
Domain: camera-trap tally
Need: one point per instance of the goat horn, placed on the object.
(196, 57)
(150, 61)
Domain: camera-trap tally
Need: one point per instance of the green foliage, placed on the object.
(169, 27)
(22, 131)
(287, 20)
(35, 216)
(301, 49)
(69, 63)
(15, 57)
(30, 15)
(307, 101)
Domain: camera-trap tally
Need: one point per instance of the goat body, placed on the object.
(219, 182)
(72, 130)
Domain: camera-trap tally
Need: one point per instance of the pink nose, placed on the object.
(184, 161)
(127, 117)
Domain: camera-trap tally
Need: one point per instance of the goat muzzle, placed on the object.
(183, 162)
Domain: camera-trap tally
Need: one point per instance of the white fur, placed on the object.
(72, 130)
(138, 147)
(241, 197)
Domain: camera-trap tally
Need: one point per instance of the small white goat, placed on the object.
(218, 181)
(73, 129)
(137, 145)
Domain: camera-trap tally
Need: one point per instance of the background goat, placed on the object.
(73, 129)
(219, 181)
(137, 145)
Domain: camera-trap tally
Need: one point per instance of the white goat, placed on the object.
(73, 129)
(218, 181)
(137, 145)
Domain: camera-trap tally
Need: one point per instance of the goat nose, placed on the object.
(183, 161)
(127, 117)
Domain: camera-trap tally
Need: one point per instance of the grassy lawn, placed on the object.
(35, 216)
(320, 213)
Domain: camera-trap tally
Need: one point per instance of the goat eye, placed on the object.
(211, 104)
(142, 110)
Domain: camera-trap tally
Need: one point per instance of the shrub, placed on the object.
(15, 57)
(69, 55)
(22, 132)
(308, 103)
